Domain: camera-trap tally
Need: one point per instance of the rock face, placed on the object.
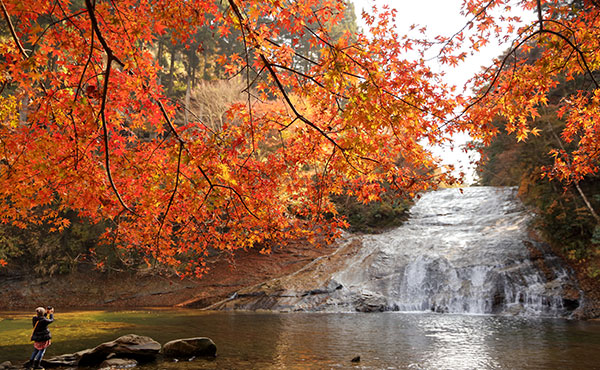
(190, 347)
(308, 289)
(129, 346)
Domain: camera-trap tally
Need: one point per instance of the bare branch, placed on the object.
(102, 112)
(204, 174)
(12, 30)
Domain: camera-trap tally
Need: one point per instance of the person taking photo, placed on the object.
(41, 336)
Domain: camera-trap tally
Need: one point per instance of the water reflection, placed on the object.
(458, 344)
(330, 341)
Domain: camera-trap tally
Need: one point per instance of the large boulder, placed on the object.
(190, 347)
(370, 302)
(7, 365)
(129, 346)
(68, 360)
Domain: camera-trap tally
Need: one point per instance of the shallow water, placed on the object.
(329, 340)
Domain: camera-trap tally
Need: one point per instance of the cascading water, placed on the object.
(461, 251)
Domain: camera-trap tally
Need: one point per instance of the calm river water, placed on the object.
(328, 341)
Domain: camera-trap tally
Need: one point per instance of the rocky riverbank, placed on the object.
(588, 286)
(307, 289)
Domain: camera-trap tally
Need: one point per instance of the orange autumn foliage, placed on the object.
(83, 75)
(86, 77)
(560, 45)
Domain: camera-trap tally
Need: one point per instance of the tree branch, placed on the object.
(280, 86)
(96, 28)
(110, 58)
(12, 30)
(204, 174)
(539, 13)
(579, 190)
(164, 218)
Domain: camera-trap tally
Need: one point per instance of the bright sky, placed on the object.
(441, 17)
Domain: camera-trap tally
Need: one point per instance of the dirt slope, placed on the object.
(93, 289)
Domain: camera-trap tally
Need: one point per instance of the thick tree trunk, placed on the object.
(160, 52)
(204, 68)
(23, 110)
(587, 203)
(171, 73)
(187, 98)
(193, 77)
(159, 58)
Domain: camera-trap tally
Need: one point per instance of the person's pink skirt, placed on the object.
(41, 345)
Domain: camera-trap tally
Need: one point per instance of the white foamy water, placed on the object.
(460, 252)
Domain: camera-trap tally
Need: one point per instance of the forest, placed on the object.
(158, 133)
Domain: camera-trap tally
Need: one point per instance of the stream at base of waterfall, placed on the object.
(314, 340)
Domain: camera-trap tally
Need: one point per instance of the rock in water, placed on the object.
(129, 346)
(185, 348)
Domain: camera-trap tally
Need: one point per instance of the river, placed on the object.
(388, 340)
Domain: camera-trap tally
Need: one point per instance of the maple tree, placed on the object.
(546, 86)
(80, 89)
(83, 87)
(560, 47)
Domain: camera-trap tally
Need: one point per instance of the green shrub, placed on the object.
(375, 216)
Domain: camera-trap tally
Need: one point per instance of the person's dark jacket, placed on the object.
(40, 331)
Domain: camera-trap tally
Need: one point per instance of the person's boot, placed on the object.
(37, 364)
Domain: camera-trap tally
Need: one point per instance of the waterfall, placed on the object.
(460, 252)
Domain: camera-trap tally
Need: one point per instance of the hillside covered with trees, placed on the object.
(566, 211)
